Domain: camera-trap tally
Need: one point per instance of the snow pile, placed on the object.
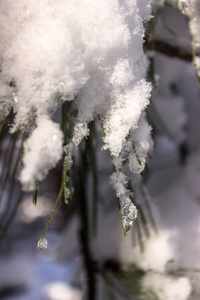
(42, 151)
(87, 51)
(61, 291)
(167, 288)
(158, 251)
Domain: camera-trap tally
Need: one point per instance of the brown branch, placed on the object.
(169, 50)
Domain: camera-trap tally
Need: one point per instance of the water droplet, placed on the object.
(137, 165)
(15, 98)
(42, 245)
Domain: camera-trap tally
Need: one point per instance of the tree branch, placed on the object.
(169, 50)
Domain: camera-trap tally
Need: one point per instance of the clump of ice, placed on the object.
(119, 183)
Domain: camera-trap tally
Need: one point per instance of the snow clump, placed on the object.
(87, 51)
(167, 287)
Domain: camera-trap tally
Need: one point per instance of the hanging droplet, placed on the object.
(136, 164)
(42, 245)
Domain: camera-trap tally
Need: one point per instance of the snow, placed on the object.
(43, 149)
(53, 52)
(168, 288)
